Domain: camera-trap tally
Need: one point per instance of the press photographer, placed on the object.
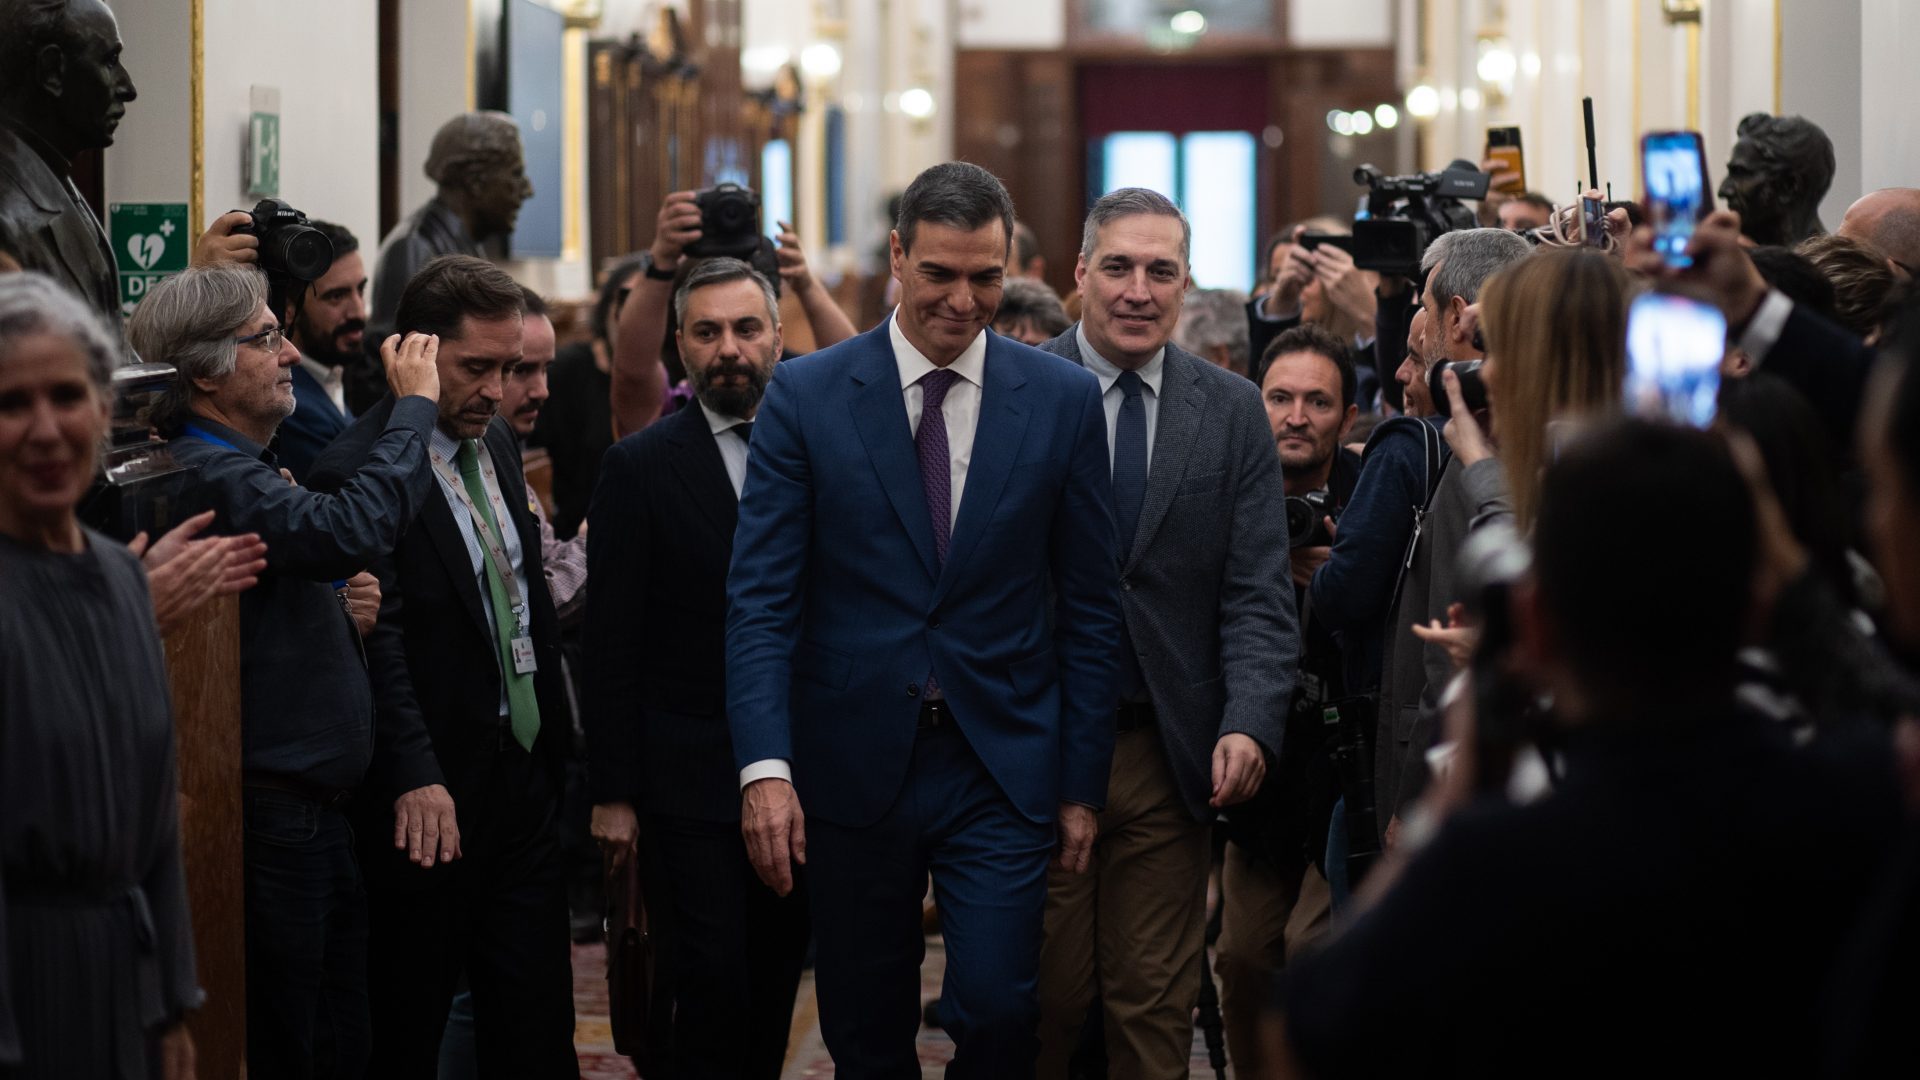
(720, 221)
(1274, 894)
(326, 319)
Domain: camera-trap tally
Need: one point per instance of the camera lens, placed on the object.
(303, 252)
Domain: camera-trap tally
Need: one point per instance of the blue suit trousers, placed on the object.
(989, 867)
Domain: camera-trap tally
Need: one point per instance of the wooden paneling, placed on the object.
(1019, 122)
(203, 663)
(665, 113)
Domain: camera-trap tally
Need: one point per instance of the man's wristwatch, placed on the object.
(653, 271)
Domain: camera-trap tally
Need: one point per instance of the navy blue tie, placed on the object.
(1129, 491)
(1129, 460)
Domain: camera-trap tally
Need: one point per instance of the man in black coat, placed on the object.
(659, 751)
(472, 719)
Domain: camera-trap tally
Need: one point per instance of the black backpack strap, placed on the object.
(1437, 460)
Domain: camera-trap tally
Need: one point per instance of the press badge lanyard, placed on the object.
(195, 431)
(524, 662)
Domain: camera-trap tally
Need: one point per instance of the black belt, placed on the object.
(1133, 715)
(325, 798)
(935, 714)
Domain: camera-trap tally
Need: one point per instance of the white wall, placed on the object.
(436, 84)
(1328, 23)
(1011, 24)
(152, 156)
(1821, 79)
(327, 71)
(1890, 83)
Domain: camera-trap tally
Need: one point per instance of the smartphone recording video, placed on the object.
(1503, 146)
(1675, 167)
(1674, 349)
(1593, 222)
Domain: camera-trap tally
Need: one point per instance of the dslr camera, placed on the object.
(729, 222)
(288, 245)
(1405, 213)
(1307, 519)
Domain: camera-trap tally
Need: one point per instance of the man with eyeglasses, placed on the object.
(306, 702)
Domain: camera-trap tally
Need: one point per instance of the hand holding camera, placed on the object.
(410, 364)
(227, 240)
(794, 270)
(676, 226)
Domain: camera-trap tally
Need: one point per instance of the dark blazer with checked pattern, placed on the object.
(1207, 589)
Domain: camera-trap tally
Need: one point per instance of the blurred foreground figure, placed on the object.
(1687, 861)
(96, 952)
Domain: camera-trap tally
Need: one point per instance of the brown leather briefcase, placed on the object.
(630, 960)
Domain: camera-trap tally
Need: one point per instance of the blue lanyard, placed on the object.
(195, 431)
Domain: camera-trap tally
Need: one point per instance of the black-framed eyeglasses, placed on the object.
(268, 340)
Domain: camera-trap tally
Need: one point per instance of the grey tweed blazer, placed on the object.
(1206, 591)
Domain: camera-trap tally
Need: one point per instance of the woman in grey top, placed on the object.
(96, 952)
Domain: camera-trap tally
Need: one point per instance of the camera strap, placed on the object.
(1436, 461)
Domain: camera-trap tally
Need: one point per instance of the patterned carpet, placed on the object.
(807, 1057)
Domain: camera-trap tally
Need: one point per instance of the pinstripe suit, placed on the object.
(1206, 597)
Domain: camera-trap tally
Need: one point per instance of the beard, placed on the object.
(326, 347)
(735, 401)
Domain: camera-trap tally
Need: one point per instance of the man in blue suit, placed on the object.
(915, 499)
(327, 325)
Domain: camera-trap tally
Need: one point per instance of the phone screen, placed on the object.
(1593, 222)
(1677, 195)
(1503, 146)
(1674, 349)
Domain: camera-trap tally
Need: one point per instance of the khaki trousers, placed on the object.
(1131, 928)
(1268, 914)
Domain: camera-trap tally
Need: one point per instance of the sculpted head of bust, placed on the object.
(61, 79)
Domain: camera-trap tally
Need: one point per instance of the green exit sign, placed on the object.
(263, 143)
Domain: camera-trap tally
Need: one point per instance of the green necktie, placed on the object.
(523, 708)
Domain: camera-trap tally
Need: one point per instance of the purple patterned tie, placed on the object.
(936, 466)
(936, 472)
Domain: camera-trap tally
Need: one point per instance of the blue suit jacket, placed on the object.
(314, 424)
(838, 606)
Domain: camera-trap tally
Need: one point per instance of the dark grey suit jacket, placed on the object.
(1207, 589)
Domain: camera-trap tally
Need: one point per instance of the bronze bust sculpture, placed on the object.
(63, 90)
(1780, 170)
(477, 162)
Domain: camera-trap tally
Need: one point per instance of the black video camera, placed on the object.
(1406, 213)
(288, 245)
(1473, 386)
(729, 222)
(1307, 519)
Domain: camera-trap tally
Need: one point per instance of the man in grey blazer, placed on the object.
(1208, 646)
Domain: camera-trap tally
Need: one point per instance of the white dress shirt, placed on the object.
(733, 448)
(331, 379)
(1111, 395)
(449, 450)
(961, 409)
